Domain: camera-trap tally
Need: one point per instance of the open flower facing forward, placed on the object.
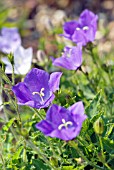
(10, 40)
(83, 30)
(71, 58)
(63, 123)
(38, 88)
(22, 61)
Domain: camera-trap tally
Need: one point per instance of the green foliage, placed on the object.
(23, 147)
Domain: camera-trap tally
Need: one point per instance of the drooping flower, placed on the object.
(71, 58)
(10, 40)
(83, 30)
(38, 88)
(63, 123)
(22, 61)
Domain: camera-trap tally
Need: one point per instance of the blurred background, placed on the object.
(39, 18)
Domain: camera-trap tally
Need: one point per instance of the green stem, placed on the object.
(38, 113)
(102, 152)
(2, 159)
(13, 75)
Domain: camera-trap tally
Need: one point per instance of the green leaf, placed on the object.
(8, 124)
(17, 153)
(68, 168)
(108, 144)
(92, 109)
(40, 165)
(4, 77)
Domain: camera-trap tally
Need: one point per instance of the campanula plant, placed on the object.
(63, 123)
(83, 30)
(38, 88)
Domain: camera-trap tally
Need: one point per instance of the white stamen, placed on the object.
(41, 94)
(64, 124)
(77, 28)
(85, 28)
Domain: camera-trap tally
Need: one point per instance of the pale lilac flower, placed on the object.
(10, 40)
(83, 30)
(71, 58)
(38, 88)
(63, 123)
(22, 61)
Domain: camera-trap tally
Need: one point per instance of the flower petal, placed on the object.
(65, 134)
(77, 112)
(64, 62)
(69, 28)
(56, 113)
(37, 79)
(45, 127)
(54, 81)
(22, 93)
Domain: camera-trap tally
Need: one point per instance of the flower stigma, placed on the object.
(78, 29)
(85, 28)
(41, 94)
(64, 124)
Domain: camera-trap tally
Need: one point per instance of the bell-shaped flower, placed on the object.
(22, 61)
(38, 88)
(71, 58)
(10, 40)
(63, 123)
(83, 30)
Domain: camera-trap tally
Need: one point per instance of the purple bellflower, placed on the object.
(63, 123)
(9, 40)
(71, 58)
(83, 30)
(38, 88)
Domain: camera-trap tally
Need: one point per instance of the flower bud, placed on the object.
(11, 58)
(99, 126)
(24, 132)
(54, 161)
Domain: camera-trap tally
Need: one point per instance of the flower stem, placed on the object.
(102, 152)
(2, 159)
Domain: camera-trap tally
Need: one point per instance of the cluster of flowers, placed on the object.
(38, 88)
(10, 42)
(80, 32)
